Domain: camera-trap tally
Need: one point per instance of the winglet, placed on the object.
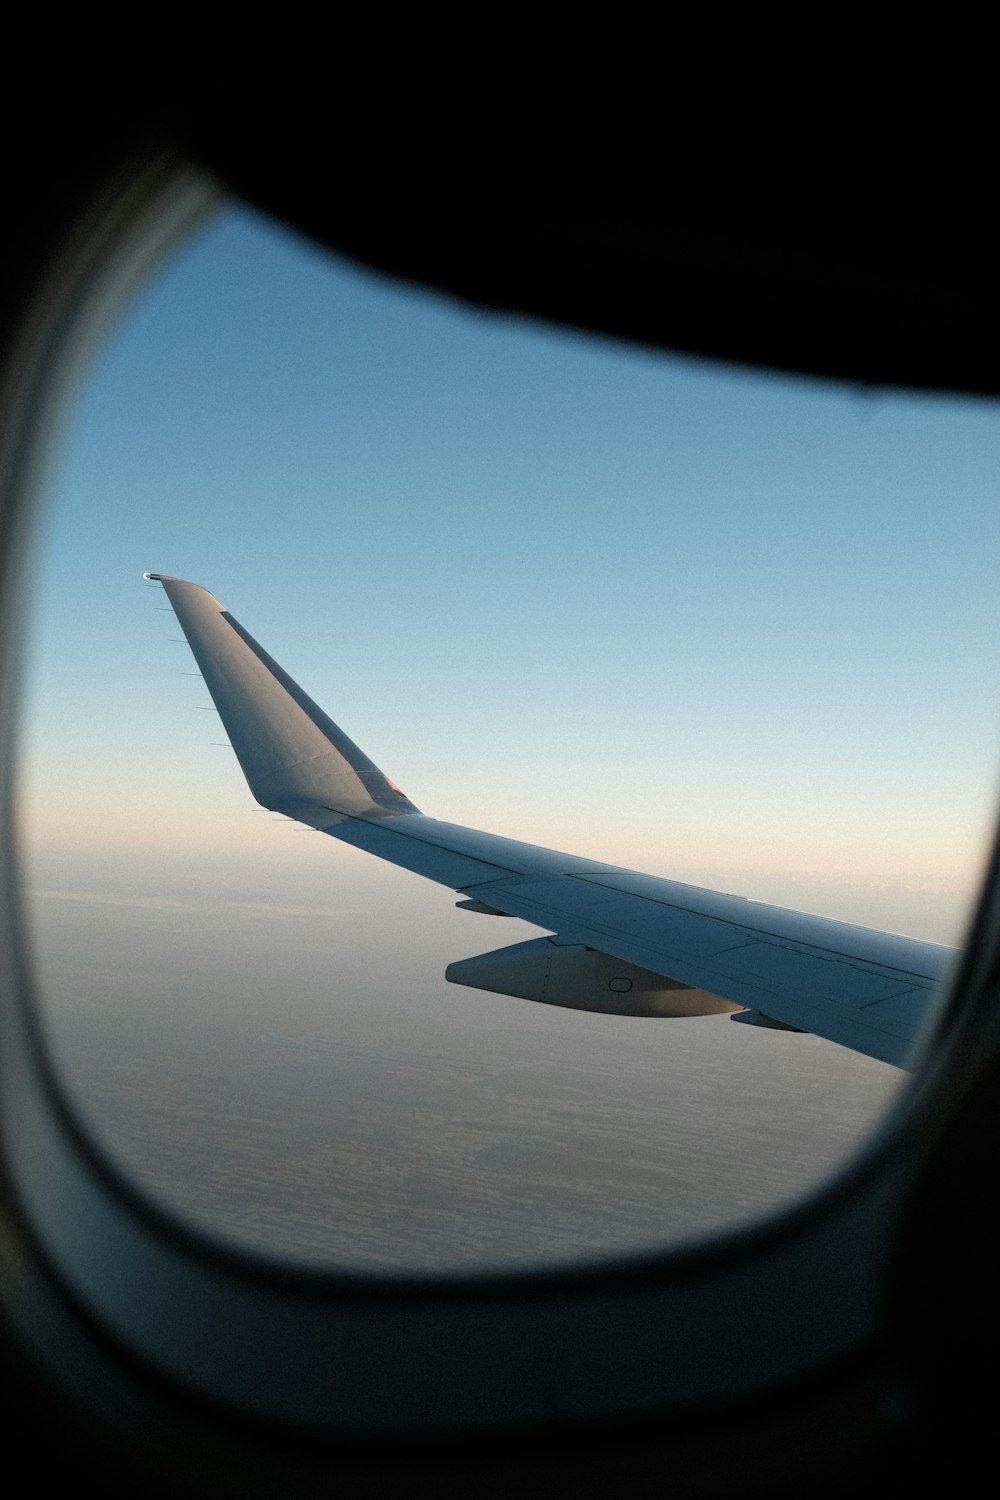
(295, 759)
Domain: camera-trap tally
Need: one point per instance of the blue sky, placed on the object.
(736, 628)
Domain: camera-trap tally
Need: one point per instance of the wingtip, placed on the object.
(151, 577)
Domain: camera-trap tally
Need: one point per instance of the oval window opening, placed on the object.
(416, 509)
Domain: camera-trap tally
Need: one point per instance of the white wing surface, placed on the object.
(620, 942)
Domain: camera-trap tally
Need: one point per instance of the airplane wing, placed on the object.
(619, 942)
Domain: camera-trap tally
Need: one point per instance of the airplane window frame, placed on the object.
(700, 1329)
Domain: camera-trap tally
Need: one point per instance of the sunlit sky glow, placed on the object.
(729, 627)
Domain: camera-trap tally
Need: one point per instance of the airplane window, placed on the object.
(721, 627)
